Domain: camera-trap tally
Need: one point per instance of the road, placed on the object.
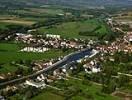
(129, 75)
(67, 59)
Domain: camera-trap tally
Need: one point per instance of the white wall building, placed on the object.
(53, 36)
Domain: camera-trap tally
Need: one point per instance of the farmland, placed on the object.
(48, 96)
(68, 29)
(85, 91)
(124, 16)
(21, 22)
(9, 52)
(72, 29)
(27, 16)
(14, 20)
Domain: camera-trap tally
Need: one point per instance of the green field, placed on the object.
(9, 52)
(72, 29)
(11, 20)
(20, 22)
(39, 11)
(5, 25)
(86, 91)
(48, 11)
(27, 16)
(48, 96)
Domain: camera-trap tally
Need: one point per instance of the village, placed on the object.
(43, 44)
(91, 63)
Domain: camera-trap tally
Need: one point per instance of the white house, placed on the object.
(53, 36)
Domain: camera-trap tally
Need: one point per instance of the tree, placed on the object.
(79, 68)
(123, 81)
(110, 87)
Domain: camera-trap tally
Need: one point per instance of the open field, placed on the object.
(39, 11)
(27, 16)
(15, 20)
(124, 15)
(87, 91)
(48, 96)
(10, 53)
(72, 29)
(5, 23)
(124, 18)
(19, 18)
(15, 56)
(46, 11)
(21, 22)
(8, 47)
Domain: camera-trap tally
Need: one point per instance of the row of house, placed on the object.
(50, 41)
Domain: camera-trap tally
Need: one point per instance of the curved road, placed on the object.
(67, 59)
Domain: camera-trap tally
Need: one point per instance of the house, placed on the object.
(34, 84)
(33, 30)
(95, 70)
(130, 39)
(92, 67)
(52, 36)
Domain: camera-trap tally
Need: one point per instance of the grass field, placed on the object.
(46, 11)
(72, 29)
(48, 96)
(4, 25)
(6, 20)
(9, 47)
(29, 16)
(86, 91)
(39, 11)
(124, 16)
(20, 22)
(10, 52)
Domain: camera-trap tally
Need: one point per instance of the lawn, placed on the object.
(72, 29)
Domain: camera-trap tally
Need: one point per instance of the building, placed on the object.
(53, 36)
(34, 84)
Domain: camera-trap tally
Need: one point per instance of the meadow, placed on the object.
(72, 29)
(87, 91)
(10, 52)
(20, 22)
(27, 16)
(48, 96)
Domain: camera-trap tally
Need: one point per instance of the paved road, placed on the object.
(67, 59)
